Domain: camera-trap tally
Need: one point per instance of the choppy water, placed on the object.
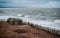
(44, 17)
(43, 13)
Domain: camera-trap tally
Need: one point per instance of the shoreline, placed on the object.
(47, 29)
(41, 33)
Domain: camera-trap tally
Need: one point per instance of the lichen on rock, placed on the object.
(14, 21)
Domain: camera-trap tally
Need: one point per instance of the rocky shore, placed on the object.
(16, 28)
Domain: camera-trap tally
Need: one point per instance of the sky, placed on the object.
(30, 3)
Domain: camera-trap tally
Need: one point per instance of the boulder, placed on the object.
(14, 21)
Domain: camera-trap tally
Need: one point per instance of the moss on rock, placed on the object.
(14, 21)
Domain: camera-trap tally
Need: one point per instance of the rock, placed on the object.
(28, 23)
(14, 21)
(47, 29)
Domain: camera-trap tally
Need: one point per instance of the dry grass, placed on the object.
(23, 31)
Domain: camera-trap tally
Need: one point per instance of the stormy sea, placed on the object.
(47, 17)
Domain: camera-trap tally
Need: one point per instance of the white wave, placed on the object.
(44, 23)
(57, 21)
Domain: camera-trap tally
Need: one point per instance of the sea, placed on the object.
(46, 17)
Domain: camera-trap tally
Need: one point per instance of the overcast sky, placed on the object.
(30, 3)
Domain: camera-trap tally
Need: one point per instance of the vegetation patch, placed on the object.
(20, 31)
